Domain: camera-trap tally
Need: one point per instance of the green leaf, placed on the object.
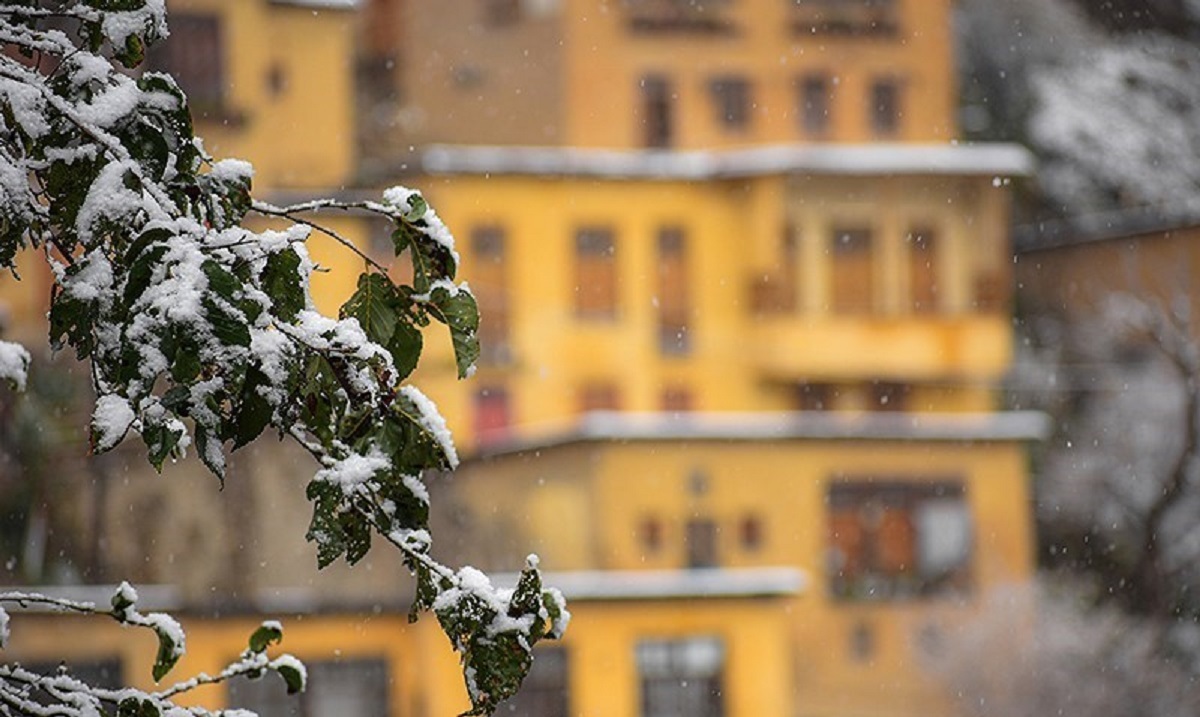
(325, 529)
(226, 328)
(458, 310)
(281, 280)
(253, 413)
(373, 305)
(292, 676)
(221, 282)
(405, 348)
(168, 654)
(266, 634)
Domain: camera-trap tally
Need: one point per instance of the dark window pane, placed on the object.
(595, 274)
(656, 111)
(815, 105)
(731, 99)
(885, 107)
(701, 543)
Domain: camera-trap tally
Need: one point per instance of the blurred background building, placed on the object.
(747, 314)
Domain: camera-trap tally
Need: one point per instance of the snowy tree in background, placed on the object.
(201, 334)
(1112, 112)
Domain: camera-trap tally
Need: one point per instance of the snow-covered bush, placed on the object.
(202, 333)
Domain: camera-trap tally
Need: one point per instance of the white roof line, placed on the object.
(671, 584)
(836, 159)
(775, 426)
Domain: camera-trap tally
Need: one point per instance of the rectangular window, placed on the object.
(888, 396)
(544, 693)
(815, 102)
(691, 16)
(674, 301)
(775, 291)
(885, 107)
(731, 99)
(498, 13)
(992, 291)
(595, 274)
(816, 396)
(677, 399)
(195, 55)
(891, 539)
(493, 415)
(681, 677)
(845, 17)
(599, 397)
(656, 111)
(922, 271)
(490, 286)
(853, 271)
(353, 688)
(701, 537)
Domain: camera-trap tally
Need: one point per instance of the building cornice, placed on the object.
(625, 427)
(873, 159)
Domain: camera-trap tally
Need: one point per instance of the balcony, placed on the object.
(900, 348)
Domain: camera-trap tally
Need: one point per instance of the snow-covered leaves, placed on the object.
(24, 691)
(200, 331)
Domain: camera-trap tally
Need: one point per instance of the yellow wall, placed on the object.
(304, 135)
(604, 53)
(739, 360)
(580, 507)
(569, 72)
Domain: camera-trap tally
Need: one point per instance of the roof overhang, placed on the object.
(626, 427)
(709, 583)
(874, 159)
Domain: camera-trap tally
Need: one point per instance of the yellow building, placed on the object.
(746, 311)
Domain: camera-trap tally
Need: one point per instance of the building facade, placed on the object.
(745, 316)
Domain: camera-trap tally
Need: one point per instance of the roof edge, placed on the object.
(1011, 426)
(959, 159)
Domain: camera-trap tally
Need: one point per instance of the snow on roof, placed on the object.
(844, 159)
(326, 4)
(800, 425)
(670, 584)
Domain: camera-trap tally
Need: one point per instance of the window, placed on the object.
(707, 16)
(354, 688)
(493, 414)
(599, 397)
(656, 111)
(845, 17)
(674, 305)
(774, 292)
(544, 693)
(650, 534)
(677, 399)
(750, 533)
(489, 284)
(681, 677)
(885, 107)
(595, 274)
(992, 290)
(853, 273)
(922, 271)
(497, 13)
(701, 545)
(195, 54)
(816, 396)
(897, 539)
(888, 396)
(731, 98)
(815, 101)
